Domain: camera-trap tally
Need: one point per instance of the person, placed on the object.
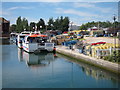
(83, 49)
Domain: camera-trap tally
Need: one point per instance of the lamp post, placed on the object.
(24, 29)
(114, 18)
(40, 27)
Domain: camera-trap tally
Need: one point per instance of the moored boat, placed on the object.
(37, 42)
(20, 37)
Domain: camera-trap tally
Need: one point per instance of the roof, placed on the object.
(3, 20)
(36, 35)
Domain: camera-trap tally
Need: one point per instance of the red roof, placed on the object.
(98, 43)
(37, 35)
(65, 32)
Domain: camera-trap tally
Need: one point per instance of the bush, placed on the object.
(114, 57)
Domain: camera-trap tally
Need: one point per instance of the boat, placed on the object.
(13, 37)
(37, 42)
(20, 37)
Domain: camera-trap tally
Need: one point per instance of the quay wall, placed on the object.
(110, 66)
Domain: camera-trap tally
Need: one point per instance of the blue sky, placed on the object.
(78, 12)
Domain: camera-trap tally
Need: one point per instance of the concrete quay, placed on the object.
(110, 66)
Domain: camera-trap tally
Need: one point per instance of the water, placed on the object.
(45, 70)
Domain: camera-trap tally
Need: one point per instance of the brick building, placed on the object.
(4, 27)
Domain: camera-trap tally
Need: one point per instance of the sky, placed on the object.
(78, 12)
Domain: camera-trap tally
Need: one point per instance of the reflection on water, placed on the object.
(45, 70)
(36, 60)
(95, 72)
(4, 41)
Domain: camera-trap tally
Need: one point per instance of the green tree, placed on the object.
(25, 24)
(50, 24)
(61, 24)
(56, 24)
(105, 24)
(65, 24)
(13, 28)
(19, 27)
(41, 24)
(32, 26)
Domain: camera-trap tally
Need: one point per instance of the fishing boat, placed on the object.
(37, 43)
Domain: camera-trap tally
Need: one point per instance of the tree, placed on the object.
(56, 24)
(32, 26)
(13, 28)
(25, 24)
(65, 24)
(21, 24)
(19, 27)
(50, 24)
(106, 24)
(60, 23)
(41, 24)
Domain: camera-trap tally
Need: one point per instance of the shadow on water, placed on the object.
(94, 72)
(36, 60)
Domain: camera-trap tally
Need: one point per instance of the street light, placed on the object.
(114, 18)
(33, 28)
(24, 29)
(40, 27)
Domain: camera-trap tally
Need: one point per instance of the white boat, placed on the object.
(13, 37)
(28, 32)
(37, 42)
(20, 37)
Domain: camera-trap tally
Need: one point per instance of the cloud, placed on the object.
(33, 1)
(74, 12)
(2, 13)
(14, 8)
(92, 6)
(60, 0)
(85, 5)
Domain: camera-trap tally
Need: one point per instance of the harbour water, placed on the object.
(47, 70)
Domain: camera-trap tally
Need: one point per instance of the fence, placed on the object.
(105, 52)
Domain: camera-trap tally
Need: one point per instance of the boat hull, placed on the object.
(35, 47)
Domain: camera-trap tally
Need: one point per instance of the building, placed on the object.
(4, 27)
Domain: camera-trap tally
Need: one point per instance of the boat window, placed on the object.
(22, 37)
(25, 33)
